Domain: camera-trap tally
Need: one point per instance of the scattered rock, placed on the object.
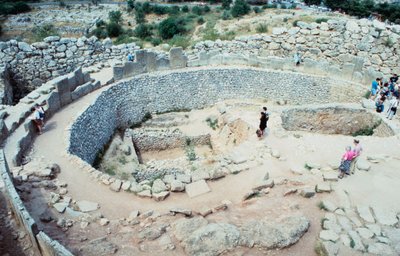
(185, 212)
(177, 186)
(330, 176)
(86, 206)
(365, 214)
(307, 192)
(158, 186)
(323, 187)
(329, 206)
(145, 194)
(380, 249)
(104, 221)
(363, 165)
(290, 191)
(60, 207)
(297, 171)
(250, 195)
(182, 228)
(116, 185)
(385, 216)
(99, 247)
(264, 184)
(365, 233)
(216, 173)
(160, 196)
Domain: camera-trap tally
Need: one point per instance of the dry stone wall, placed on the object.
(366, 49)
(32, 65)
(127, 102)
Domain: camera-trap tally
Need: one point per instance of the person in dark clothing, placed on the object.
(394, 78)
(263, 122)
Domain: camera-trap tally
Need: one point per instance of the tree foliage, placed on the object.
(115, 17)
(170, 27)
(240, 8)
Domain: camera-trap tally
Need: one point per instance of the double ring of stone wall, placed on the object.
(127, 102)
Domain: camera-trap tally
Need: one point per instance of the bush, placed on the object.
(142, 31)
(262, 28)
(174, 10)
(200, 20)
(100, 32)
(295, 23)
(320, 20)
(114, 29)
(14, 8)
(240, 8)
(155, 41)
(226, 4)
(207, 9)
(123, 39)
(180, 41)
(197, 10)
(170, 27)
(257, 9)
(43, 31)
(226, 15)
(160, 10)
(130, 4)
(115, 17)
(146, 7)
(185, 8)
(100, 23)
(140, 17)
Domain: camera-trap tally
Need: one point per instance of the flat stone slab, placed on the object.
(323, 187)
(86, 206)
(330, 176)
(328, 235)
(385, 216)
(365, 214)
(197, 188)
(60, 207)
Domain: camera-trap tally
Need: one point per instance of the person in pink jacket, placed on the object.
(346, 162)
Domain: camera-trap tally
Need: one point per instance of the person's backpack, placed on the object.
(379, 108)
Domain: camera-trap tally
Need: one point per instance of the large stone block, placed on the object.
(141, 57)
(162, 63)
(132, 69)
(118, 72)
(177, 58)
(151, 61)
(3, 131)
(53, 103)
(63, 88)
(82, 90)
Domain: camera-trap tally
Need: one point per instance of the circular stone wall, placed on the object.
(335, 120)
(127, 102)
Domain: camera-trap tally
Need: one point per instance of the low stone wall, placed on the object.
(334, 119)
(366, 49)
(32, 65)
(42, 244)
(127, 102)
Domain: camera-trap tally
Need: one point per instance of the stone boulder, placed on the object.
(184, 227)
(158, 186)
(271, 234)
(212, 239)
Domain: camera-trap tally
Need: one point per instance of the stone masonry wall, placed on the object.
(127, 102)
(360, 46)
(32, 65)
(6, 92)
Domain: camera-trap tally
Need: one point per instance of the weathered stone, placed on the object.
(385, 216)
(363, 165)
(365, 233)
(87, 206)
(116, 185)
(60, 207)
(262, 184)
(365, 214)
(307, 192)
(185, 212)
(161, 196)
(158, 186)
(183, 228)
(380, 249)
(197, 188)
(329, 206)
(328, 235)
(323, 187)
(330, 176)
(177, 186)
(145, 193)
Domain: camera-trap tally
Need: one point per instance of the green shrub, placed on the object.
(174, 10)
(160, 10)
(142, 31)
(320, 20)
(185, 8)
(180, 41)
(206, 9)
(155, 41)
(226, 4)
(130, 4)
(14, 8)
(44, 31)
(100, 24)
(367, 94)
(257, 9)
(197, 10)
(140, 17)
(240, 8)
(295, 23)
(213, 123)
(146, 7)
(114, 29)
(262, 28)
(170, 27)
(200, 20)
(100, 32)
(115, 17)
(123, 39)
(226, 15)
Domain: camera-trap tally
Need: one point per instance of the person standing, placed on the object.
(374, 88)
(297, 58)
(263, 123)
(37, 119)
(346, 162)
(393, 105)
(357, 152)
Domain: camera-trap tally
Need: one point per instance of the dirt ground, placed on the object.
(296, 148)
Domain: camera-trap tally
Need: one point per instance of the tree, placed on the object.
(142, 31)
(226, 4)
(115, 17)
(170, 27)
(146, 8)
(185, 8)
(240, 8)
(197, 10)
